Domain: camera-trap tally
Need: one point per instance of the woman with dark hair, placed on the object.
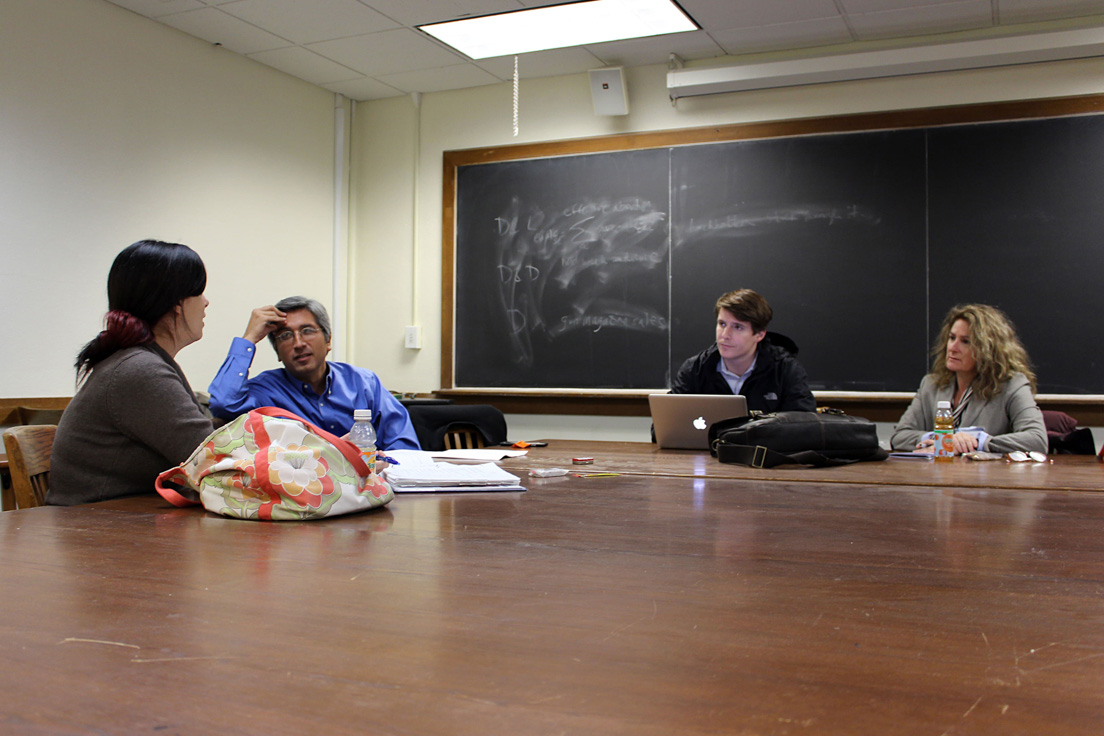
(981, 367)
(134, 414)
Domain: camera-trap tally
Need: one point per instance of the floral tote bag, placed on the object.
(272, 465)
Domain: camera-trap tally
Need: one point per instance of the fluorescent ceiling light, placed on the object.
(558, 26)
(991, 52)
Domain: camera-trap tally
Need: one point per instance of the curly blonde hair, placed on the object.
(997, 350)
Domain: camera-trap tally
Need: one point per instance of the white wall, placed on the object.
(115, 128)
(397, 142)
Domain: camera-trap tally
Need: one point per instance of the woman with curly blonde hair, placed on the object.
(981, 367)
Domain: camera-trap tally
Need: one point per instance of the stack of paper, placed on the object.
(476, 456)
(911, 456)
(418, 472)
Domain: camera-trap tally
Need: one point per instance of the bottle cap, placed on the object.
(943, 405)
(362, 415)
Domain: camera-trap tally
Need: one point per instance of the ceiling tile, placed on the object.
(387, 52)
(657, 49)
(307, 22)
(877, 6)
(781, 36)
(437, 11)
(551, 63)
(215, 26)
(364, 88)
(348, 45)
(307, 65)
(459, 76)
(714, 15)
(158, 8)
(919, 21)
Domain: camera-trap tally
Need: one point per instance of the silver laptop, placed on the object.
(682, 421)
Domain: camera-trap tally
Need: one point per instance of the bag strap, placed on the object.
(345, 447)
(757, 456)
(169, 493)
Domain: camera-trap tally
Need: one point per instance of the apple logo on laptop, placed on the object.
(699, 423)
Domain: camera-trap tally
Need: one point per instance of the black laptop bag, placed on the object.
(795, 438)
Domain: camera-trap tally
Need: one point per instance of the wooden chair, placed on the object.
(461, 437)
(456, 427)
(29, 450)
(1064, 437)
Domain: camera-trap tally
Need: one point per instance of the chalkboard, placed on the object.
(600, 270)
(1018, 221)
(830, 229)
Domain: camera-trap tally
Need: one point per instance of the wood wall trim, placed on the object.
(9, 416)
(890, 120)
(448, 270)
(613, 405)
(38, 402)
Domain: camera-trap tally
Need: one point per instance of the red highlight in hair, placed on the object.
(123, 330)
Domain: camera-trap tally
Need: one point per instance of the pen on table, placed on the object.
(386, 458)
(595, 475)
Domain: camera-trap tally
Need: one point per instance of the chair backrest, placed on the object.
(1064, 437)
(435, 425)
(461, 437)
(29, 450)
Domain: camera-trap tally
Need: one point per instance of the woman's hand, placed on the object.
(964, 442)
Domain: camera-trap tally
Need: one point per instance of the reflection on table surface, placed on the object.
(630, 604)
(1061, 472)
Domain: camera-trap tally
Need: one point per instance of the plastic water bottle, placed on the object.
(944, 431)
(363, 435)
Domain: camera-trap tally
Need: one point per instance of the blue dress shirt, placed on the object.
(347, 388)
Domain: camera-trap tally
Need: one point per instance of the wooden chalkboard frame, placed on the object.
(615, 401)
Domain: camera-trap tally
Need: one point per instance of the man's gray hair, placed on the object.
(293, 303)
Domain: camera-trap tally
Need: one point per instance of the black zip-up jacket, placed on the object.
(778, 382)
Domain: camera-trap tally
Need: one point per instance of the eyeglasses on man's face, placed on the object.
(288, 335)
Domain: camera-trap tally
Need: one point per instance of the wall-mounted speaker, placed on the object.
(607, 89)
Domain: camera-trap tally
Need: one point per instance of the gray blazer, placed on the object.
(1011, 417)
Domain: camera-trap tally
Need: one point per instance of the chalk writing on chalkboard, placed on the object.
(747, 222)
(564, 272)
(555, 268)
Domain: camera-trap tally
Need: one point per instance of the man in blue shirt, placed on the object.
(323, 392)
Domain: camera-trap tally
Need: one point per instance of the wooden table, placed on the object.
(1061, 472)
(636, 604)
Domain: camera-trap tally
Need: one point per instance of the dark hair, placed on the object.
(747, 306)
(295, 303)
(146, 281)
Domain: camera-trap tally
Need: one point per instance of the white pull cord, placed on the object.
(515, 96)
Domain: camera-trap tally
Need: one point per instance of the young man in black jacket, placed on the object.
(748, 360)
